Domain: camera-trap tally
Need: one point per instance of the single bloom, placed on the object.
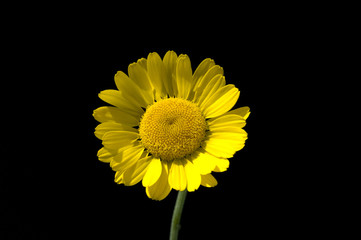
(170, 127)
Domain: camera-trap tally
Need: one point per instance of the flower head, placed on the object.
(169, 127)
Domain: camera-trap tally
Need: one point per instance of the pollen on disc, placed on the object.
(172, 128)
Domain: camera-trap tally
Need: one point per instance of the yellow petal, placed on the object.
(142, 62)
(115, 98)
(208, 181)
(139, 75)
(242, 111)
(193, 176)
(203, 95)
(118, 139)
(221, 102)
(207, 77)
(224, 145)
(206, 162)
(202, 69)
(157, 73)
(170, 63)
(203, 161)
(161, 188)
(104, 155)
(126, 158)
(118, 178)
(177, 175)
(222, 165)
(113, 114)
(105, 127)
(184, 76)
(135, 174)
(130, 90)
(153, 173)
(226, 123)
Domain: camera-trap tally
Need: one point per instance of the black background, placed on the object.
(54, 186)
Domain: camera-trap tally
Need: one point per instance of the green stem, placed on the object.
(177, 213)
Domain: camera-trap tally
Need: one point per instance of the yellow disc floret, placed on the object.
(172, 128)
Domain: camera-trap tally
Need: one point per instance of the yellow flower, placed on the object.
(169, 127)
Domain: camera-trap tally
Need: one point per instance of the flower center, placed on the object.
(172, 128)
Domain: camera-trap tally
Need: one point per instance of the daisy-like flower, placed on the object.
(169, 127)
